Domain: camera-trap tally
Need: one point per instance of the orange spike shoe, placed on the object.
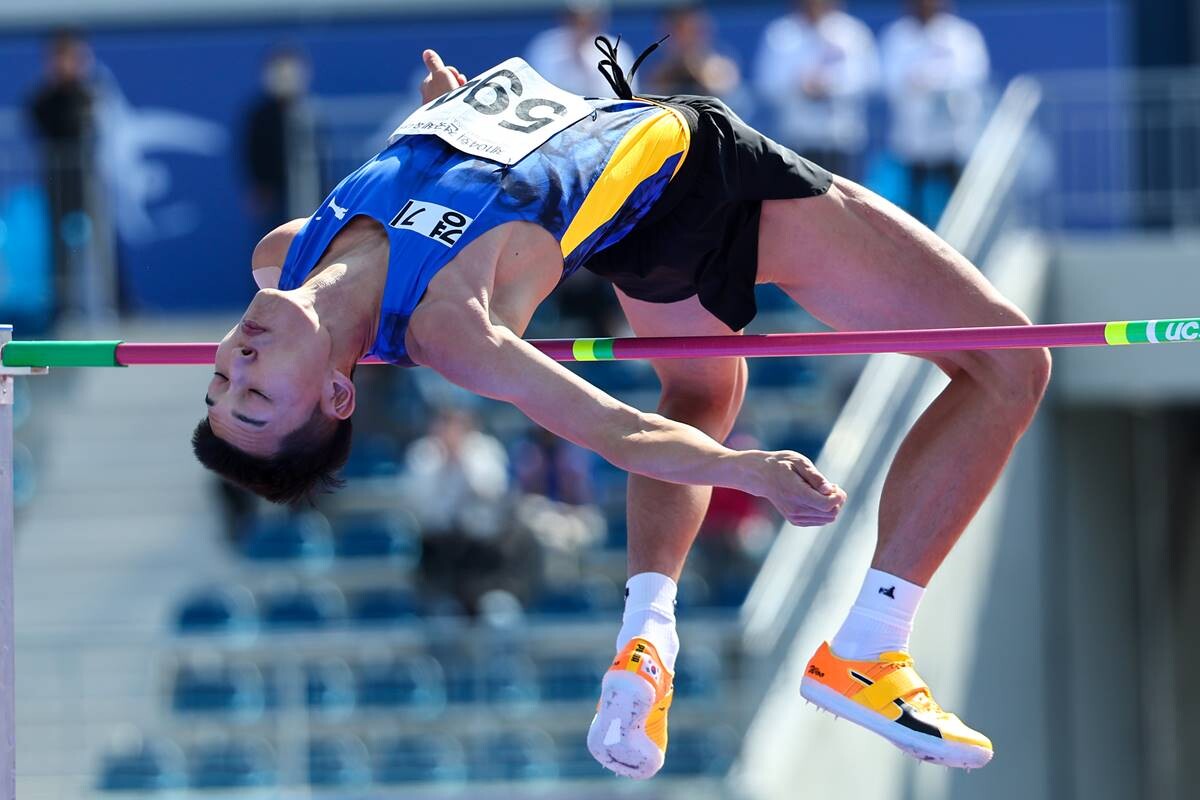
(889, 698)
(629, 732)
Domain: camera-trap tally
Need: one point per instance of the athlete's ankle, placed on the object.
(650, 615)
(881, 619)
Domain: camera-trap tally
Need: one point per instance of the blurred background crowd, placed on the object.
(441, 624)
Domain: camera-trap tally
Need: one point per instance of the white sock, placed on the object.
(650, 614)
(880, 620)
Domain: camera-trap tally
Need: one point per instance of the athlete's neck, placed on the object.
(346, 296)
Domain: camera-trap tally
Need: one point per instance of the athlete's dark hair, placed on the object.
(305, 466)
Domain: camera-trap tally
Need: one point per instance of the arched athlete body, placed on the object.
(407, 259)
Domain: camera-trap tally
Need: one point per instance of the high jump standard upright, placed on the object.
(8, 718)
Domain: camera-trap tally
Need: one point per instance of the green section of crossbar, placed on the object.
(60, 354)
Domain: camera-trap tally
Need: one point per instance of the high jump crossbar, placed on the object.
(115, 353)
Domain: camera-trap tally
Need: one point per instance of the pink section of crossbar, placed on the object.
(776, 344)
(864, 342)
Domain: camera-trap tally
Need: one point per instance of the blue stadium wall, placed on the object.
(212, 72)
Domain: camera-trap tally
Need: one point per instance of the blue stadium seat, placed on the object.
(420, 759)
(226, 609)
(392, 537)
(301, 607)
(589, 597)
(562, 602)
(329, 685)
(783, 373)
(236, 690)
(464, 681)
(574, 760)
(233, 764)
(340, 762)
(802, 438)
(372, 457)
(510, 679)
(698, 673)
(570, 678)
(619, 376)
(146, 767)
(384, 606)
(617, 536)
(304, 538)
(513, 755)
(694, 592)
(700, 752)
(414, 682)
(730, 591)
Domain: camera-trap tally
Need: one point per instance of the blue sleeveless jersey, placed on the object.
(587, 185)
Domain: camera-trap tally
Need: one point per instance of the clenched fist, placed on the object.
(794, 486)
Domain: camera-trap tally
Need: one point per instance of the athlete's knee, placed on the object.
(1027, 374)
(1015, 379)
(712, 404)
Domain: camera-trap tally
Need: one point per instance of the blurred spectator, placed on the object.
(567, 55)
(63, 112)
(552, 467)
(935, 69)
(279, 152)
(455, 473)
(815, 68)
(690, 65)
(456, 483)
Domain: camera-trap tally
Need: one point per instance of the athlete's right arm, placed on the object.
(491, 360)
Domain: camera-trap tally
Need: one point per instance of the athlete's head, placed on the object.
(68, 57)
(279, 408)
(925, 10)
(816, 9)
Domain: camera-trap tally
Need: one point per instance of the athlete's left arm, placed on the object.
(460, 341)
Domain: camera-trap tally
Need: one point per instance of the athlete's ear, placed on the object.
(339, 397)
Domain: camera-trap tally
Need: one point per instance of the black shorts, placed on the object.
(701, 237)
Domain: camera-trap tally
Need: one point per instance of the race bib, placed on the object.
(503, 115)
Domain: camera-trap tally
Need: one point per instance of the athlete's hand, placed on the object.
(794, 486)
(440, 79)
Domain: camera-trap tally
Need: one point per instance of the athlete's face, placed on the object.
(926, 10)
(271, 371)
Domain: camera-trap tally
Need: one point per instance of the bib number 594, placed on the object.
(493, 95)
(503, 115)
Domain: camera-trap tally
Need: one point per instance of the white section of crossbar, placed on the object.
(8, 733)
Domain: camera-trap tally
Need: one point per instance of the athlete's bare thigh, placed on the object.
(719, 382)
(856, 262)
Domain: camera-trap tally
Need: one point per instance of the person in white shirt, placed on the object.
(815, 68)
(566, 55)
(935, 68)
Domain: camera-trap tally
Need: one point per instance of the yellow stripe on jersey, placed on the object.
(640, 154)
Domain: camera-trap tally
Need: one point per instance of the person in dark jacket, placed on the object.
(61, 111)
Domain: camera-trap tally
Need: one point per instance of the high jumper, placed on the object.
(437, 252)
